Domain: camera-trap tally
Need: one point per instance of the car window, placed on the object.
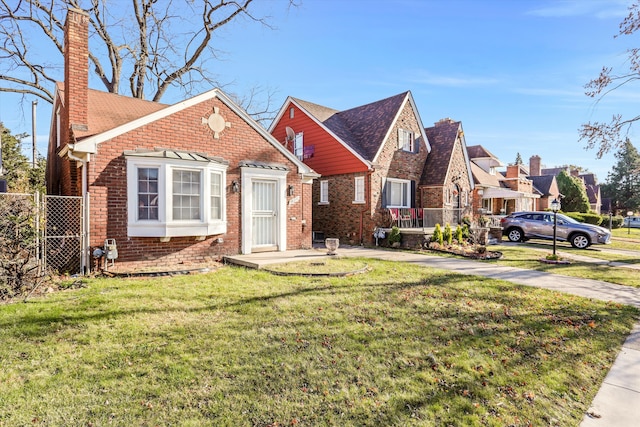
(567, 220)
(536, 217)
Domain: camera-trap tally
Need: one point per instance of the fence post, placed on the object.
(38, 211)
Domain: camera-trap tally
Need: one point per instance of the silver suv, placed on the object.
(521, 226)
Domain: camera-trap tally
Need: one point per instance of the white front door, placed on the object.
(264, 219)
(264, 209)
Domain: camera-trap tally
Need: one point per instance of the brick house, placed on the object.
(589, 181)
(499, 193)
(546, 185)
(447, 181)
(179, 183)
(371, 159)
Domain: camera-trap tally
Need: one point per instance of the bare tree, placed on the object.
(142, 47)
(609, 135)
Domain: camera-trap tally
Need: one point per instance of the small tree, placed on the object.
(448, 234)
(459, 235)
(518, 159)
(574, 194)
(623, 182)
(437, 235)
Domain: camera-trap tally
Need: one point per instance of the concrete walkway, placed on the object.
(617, 403)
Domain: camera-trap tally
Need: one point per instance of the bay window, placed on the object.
(175, 195)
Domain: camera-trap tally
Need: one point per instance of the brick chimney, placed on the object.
(535, 166)
(76, 68)
(513, 171)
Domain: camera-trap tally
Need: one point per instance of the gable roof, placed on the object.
(543, 183)
(484, 179)
(442, 138)
(88, 145)
(363, 129)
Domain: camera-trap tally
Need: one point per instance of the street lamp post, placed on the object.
(629, 213)
(555, 207)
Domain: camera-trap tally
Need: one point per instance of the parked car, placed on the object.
(521, 226)
(631, 221)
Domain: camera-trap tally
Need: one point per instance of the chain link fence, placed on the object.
(62, 237)
(38, 234)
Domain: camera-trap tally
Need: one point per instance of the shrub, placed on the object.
(437, 235)
(592, 218)
(18, 247)
(394, 235)
(459, 237)
(448, 234)
(616, 221)
(578, 216)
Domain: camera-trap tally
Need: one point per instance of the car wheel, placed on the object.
(515, 235)
(580, 241)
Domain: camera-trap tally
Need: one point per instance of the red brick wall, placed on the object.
(184, 131)
(355, 223)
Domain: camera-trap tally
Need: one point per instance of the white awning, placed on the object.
(505, 193)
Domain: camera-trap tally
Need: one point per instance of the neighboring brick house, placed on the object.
(499, 193)
(447, 180)
(370, 157)
(180, 183)
(546, 185)
(592, 188)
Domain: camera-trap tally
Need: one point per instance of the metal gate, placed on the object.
(62, 233)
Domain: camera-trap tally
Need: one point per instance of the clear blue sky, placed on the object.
(513, 71)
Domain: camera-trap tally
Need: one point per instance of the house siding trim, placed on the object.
(89, 145)
(290, 101)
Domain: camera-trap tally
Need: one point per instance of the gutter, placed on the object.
(68, 150)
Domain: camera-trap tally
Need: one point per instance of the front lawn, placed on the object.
(400, 345)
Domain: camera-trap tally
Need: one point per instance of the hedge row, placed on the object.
(594, 218)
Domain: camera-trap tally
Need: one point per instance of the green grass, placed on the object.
(528, 256)
(325, 266)
(626, 233)
(401, 345)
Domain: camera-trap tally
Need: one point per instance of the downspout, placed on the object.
(367, 206)
(85, 211)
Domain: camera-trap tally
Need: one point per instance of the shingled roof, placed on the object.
(442, 138)
(542, 183)
(362, 128)
(108, 111)
(483, 178)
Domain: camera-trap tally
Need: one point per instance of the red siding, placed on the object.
(330, 157)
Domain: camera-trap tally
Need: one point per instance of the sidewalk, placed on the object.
(617, 403)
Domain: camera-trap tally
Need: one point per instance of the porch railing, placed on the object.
(425, 217)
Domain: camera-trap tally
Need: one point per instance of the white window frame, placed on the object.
(324, 192)
(298, 145)
(406, 140)
(358, 189)
(407, 192)
(165, 226)
(487, 205)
